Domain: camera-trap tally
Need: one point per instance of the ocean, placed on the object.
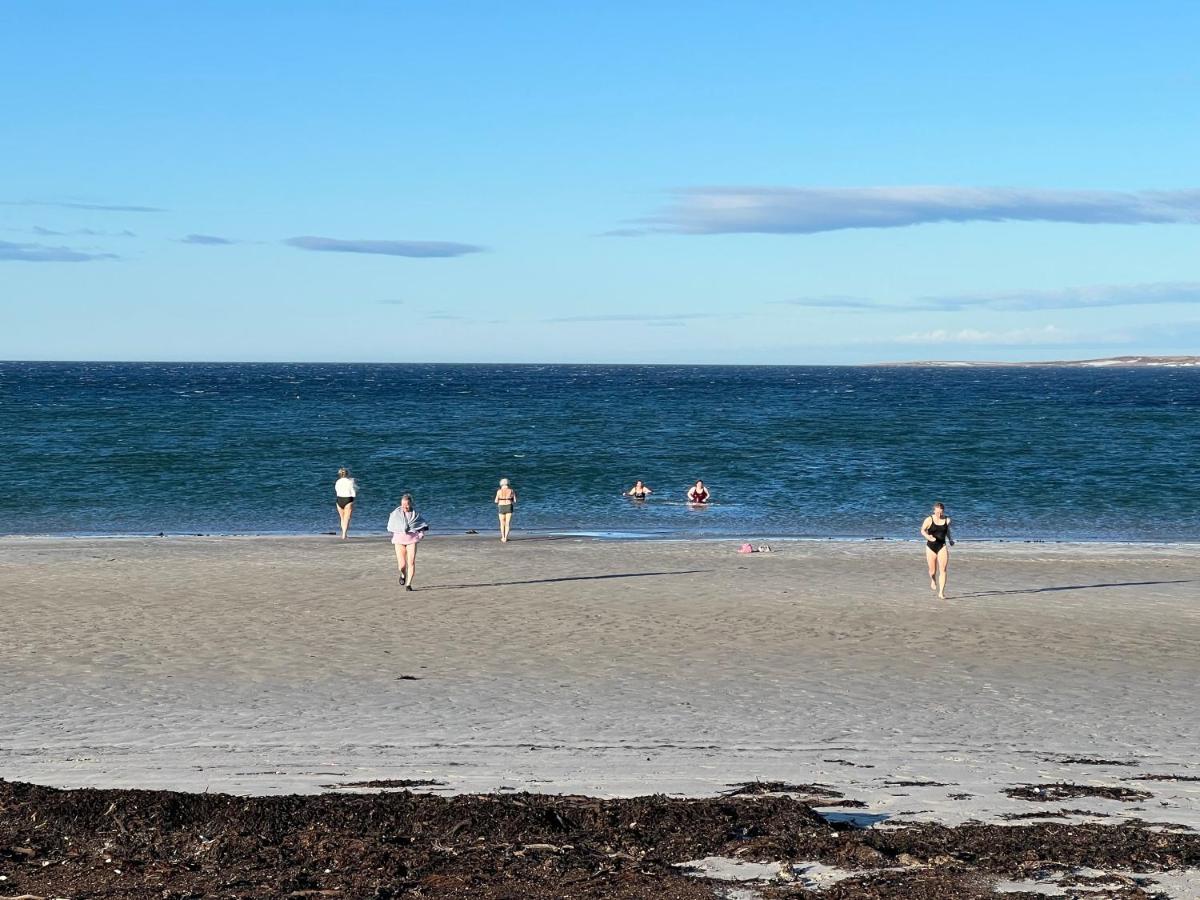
(1016, 453)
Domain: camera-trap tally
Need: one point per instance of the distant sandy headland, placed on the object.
(1108, 361)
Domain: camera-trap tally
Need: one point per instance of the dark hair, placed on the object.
(938, 504)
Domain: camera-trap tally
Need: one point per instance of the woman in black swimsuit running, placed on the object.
(936, 531)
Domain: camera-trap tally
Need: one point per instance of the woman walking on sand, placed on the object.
(936, 531)
(407, 528)
(506, 501)
(345, 490)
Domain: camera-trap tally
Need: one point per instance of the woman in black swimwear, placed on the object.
(506, 502)
(936, 531)
(639, 491)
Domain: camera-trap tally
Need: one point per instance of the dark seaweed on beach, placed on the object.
(1052, 814)
(1089, 761)
(170, 846)
(1166, 778)
(388, 783)
(1048, 793)
(754, 788)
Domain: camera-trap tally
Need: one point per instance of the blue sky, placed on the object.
(624, 182)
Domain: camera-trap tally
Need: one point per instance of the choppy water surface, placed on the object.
(1032, 453)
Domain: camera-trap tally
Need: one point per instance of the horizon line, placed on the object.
(879, 364)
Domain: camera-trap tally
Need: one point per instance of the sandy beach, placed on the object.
(273, 665)
(1057, 685)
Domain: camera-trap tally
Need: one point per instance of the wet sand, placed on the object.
(275, 665)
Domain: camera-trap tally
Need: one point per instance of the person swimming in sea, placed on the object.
(698, 493)
(639, 491)
(936, 532)
(506, 502)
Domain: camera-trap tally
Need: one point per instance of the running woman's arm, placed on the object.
(949, 539)
(925, 528)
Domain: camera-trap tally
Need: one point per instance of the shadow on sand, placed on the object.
(1072, 587)
(483, 584)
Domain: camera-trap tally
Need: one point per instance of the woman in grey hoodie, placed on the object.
(407, 528)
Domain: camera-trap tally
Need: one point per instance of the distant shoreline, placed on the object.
(1114, 362)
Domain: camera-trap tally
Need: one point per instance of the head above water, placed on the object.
(939, 508)
(406, 501)
(503, 482)
(638, 483)
(343, 473)
(699, 483)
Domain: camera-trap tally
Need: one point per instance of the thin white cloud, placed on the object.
(41, 253)
(1047, 334)
(415, 249)
(790, 210)
(1084, 297)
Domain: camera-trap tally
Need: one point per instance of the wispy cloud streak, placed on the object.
(415, 249)
(789, 210)
(80, 232)
(40, 253)
(650, 318)
(208, 240)
(101, 207)
(1085, 297)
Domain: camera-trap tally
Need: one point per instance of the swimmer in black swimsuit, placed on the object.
(639, 491)
(936, 531)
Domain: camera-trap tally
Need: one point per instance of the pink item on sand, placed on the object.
(745, 548)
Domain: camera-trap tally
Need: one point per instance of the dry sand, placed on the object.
(266, 665)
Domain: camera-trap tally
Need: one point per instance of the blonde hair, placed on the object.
(503, 482)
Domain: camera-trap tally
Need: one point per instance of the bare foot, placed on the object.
(933, 582)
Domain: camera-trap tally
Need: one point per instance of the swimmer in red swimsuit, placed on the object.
(699, 493)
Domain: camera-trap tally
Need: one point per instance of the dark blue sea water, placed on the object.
(1022, 453)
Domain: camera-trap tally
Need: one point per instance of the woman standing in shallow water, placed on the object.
(407, 528)
(936, 531)
(506, 501)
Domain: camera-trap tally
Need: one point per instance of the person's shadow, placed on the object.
(483, 584)
(1071, 587)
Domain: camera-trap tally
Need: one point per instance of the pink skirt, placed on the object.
(405, 539)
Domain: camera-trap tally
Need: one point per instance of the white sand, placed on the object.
(276, 665)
